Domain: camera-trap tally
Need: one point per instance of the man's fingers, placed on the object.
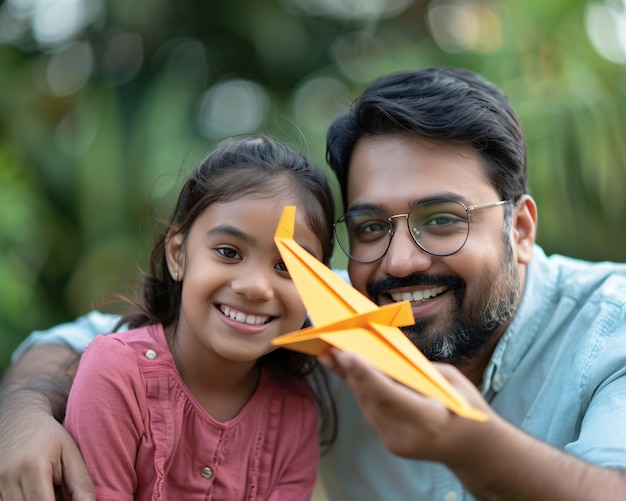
(30, 484)
(329, 360)
(358, 374)
(8, 493)
(369, 385)
(74, 475)
(38, 488)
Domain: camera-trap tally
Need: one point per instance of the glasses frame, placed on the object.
(468, 210)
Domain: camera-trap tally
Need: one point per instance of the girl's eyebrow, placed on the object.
(226, 229)
(309, 250)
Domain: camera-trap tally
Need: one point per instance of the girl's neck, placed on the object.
(221, 386)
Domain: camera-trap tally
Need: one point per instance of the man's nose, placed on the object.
(404, 256)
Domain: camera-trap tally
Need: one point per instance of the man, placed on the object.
(432, 167)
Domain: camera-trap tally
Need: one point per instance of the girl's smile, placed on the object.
(241, 317)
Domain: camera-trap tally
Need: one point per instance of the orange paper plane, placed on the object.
(344, 318)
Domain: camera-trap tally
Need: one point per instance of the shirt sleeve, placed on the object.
(602, 438)
(76, 334)
(602, 385)
(106, 414)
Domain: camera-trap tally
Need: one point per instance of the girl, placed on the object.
(194, 402)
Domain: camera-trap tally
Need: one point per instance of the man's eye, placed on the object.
(228, 252)
(372, 227)
(443, 219)
(438, 220)
(369, 231)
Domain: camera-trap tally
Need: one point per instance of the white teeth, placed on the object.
(239, 316)
(422, 295)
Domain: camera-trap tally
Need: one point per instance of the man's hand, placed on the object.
(493, 459)
(37, 453)
(408, 423)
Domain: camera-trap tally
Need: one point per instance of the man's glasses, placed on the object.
(439, 227)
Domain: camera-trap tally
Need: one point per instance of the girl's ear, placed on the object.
(175, 253)
(524, 228)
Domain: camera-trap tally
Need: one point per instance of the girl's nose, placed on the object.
(255, 285)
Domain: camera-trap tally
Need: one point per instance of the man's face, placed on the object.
(460, 302)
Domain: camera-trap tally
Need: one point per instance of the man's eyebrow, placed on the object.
(365, 206)
(446, 196)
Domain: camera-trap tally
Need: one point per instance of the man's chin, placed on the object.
(455, 344)
(435, 347)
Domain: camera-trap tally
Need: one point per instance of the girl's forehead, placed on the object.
(257, 212)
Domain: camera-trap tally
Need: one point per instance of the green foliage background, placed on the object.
(82, 174)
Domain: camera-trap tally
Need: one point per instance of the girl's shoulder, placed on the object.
(145, 335)
(147, 342)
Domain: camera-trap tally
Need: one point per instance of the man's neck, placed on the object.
(474, 368)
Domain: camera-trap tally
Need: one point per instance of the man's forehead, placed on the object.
(393, 168)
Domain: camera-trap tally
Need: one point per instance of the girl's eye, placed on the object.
(281, 266)
(229, 252)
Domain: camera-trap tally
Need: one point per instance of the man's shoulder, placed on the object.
(570, 298)
(586, 279)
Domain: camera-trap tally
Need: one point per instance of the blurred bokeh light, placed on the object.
(106, 104)
(606, 27)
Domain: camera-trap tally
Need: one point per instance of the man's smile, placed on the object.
(421, 295)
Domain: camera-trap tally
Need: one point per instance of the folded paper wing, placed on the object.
(342, 317)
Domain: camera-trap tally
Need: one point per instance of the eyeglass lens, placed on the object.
(439, 228)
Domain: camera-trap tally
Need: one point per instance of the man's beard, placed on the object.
(473, 321)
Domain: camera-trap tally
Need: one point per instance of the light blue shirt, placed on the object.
(76, 334)
(557, 373)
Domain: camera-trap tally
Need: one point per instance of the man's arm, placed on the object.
(37, 451)
(494, 459)
(42, 371)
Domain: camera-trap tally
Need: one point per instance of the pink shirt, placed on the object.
(144, 436)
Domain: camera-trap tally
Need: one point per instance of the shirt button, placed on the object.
(207, 472)
(451, 496)
(150, 354)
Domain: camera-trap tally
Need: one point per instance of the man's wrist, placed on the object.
(41, 379)
(14, 396)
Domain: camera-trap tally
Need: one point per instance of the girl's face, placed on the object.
(236, 292)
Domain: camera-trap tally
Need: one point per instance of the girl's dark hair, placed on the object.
(443, 104)
(235, 168)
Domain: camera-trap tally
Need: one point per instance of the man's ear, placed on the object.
(524, 228)
(175, 253)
